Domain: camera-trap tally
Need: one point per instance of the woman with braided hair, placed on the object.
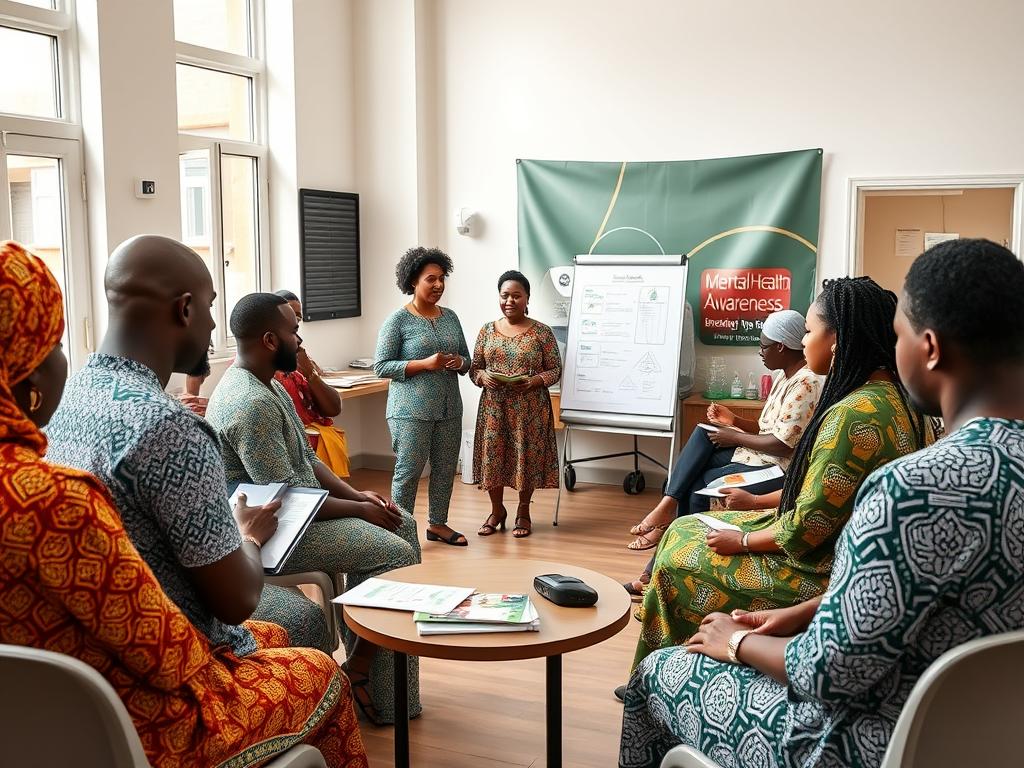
(784, 556)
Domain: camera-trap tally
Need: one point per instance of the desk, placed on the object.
(695, 410)
(561, 630)
(362, 390)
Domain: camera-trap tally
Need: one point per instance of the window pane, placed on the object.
(220, 24)
(212, 103)
(37, 216)
(194, 172)
(241, 225)
(29, 85)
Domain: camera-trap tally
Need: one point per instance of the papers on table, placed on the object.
(715, 524)
(399, 596)
(530, 622)
(495, 608)
(349, 379)
(298, 508)
(741, 480)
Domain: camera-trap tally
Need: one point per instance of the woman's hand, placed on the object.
(777, 622)
(305, 365)
(724, 438)
(436, 361)
(719, 414)
(454, 362)
(712, 637)
(725, 542)
(531, 382)
(488, 382)
(737, 498)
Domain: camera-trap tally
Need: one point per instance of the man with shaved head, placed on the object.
(162, 463)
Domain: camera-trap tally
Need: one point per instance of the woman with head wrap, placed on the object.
(741, 444)
(191, 704)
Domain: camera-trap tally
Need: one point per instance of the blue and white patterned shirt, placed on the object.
(162, 466)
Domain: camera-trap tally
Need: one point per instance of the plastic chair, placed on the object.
(57, 710)
(963, 711)
(324, 583)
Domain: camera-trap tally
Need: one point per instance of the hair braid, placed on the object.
(861, 313)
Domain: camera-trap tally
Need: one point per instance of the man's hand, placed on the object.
(384, 501)
(737, 498)
(724, 438)
(378, 514)
(725, 542)
(712, 637)
(777, 622)
(719, 414)
(258, 522)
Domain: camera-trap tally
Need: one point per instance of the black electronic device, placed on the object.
(567, 591)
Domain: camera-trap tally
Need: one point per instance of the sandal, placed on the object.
(641, 528)
(453, 539)
(361, 695)
(647, 540)
(522, 531)
(489, 528)
(636, 589)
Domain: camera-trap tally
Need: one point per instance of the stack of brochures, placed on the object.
(346, 380)
(482, 613)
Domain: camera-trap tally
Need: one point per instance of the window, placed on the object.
(41, 183)
(223, 158)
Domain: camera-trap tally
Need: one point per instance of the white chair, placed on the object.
(963, 711)
(325, 584)
(56, 710)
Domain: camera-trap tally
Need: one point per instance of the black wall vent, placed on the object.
(329, 254)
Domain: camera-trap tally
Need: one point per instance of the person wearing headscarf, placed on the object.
(192, 704)
(741, 444)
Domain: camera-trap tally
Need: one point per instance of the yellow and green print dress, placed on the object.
(860, 433)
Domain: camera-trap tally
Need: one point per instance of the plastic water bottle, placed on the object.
(736, 393)
(751, 391)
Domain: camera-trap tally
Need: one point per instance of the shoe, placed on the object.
(521, 531)
(620, 693)
(361, 694)
(641, 528)
(647, 540)
(453, 540)
(636, 589)
(488, 529)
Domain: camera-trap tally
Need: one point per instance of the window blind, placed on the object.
(329, 254)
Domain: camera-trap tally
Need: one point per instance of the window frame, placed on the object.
(253, 67)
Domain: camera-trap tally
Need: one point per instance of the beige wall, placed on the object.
(968, 212)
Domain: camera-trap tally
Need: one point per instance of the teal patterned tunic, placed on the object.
(933, 556)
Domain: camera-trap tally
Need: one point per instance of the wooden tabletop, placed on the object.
(363, 389)
(561, 629)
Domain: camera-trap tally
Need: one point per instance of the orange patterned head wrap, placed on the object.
(31, 324)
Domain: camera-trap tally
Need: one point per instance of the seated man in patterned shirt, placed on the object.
(160, 462)
(357, 533)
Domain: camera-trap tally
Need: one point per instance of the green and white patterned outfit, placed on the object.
(424, 411)
(933, 556)
(263, 441)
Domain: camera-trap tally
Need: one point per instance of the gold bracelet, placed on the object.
(734, 644)
(252, 540)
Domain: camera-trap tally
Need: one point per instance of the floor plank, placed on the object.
(492, 713)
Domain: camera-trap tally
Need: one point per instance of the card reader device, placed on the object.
(565, 590)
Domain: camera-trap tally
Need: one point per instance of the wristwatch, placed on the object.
(734, 644)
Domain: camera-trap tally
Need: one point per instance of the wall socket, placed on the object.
(145, 188)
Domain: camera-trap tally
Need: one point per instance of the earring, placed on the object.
(930, 365)
(35, 400)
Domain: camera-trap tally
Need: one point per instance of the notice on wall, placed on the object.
(908, 243)
(934, 238)
(735, 302)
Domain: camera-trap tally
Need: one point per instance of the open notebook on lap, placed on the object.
(298, 508)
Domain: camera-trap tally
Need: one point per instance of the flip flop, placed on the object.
(647, 540)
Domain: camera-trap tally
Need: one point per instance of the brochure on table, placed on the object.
(399, 596)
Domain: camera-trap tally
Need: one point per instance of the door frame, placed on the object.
(860, 185)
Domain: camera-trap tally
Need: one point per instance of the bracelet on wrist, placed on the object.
(734, 644)
(745, 541)
(252, 540)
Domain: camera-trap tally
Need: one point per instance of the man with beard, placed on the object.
(356, 533)
(160, 462)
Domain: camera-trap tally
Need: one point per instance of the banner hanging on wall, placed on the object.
(748, 224)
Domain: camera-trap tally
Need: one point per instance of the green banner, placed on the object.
(748, 224)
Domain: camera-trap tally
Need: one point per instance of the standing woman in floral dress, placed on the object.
(514, 444)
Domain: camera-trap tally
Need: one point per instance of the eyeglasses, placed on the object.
(765, 347)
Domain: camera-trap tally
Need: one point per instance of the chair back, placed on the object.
(56, 710)
(965, 709)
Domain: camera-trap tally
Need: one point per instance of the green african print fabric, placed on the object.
(860, 433)
(932, 557)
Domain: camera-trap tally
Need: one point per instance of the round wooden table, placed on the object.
(561, 630)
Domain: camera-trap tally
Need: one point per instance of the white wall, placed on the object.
(916, 87)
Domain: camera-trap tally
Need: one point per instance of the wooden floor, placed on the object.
(492, 714)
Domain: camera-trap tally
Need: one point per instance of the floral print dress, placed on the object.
(514, 444)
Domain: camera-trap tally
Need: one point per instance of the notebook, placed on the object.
(298, 508)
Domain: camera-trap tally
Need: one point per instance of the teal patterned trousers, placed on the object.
(414, 442)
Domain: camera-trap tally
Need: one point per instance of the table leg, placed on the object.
(554, 711)
(401, 710)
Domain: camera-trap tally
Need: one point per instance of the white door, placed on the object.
(42, 207)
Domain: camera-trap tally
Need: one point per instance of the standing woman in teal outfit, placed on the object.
(422, 349)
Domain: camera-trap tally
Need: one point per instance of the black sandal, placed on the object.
(361, 695)
(522, 531)
(488, 529)
(452, 540)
